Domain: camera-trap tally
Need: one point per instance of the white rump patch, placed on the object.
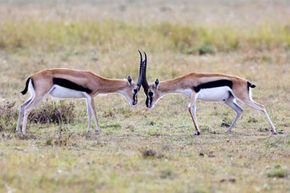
(250, 94)
(31, 89)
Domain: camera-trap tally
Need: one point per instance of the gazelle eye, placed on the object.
(150, 93)
(135, 90)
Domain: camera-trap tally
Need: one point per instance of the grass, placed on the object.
(141, 150)
(108, 35)
(153, 150)
(277, 172)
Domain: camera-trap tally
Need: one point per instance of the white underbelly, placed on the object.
(62, 92)
(214, 94)
(186, 92)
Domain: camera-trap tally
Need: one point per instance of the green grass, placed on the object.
(164, 36)
(277, 172)
(61, 158)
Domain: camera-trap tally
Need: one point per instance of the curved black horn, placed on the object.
(145, 84)
(140, 70)
(141, 60)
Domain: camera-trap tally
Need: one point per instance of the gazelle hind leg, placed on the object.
(21, 114)
(246, 97)
(232, 103)
(28, 108)
(259, 107)
(24, 106)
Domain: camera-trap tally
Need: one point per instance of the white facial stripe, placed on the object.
(62, 92)
(214, 94)
(126, 96)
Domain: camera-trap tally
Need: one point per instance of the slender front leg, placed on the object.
(88, 102)
(192, 111)
(91, 111)
(98, 129)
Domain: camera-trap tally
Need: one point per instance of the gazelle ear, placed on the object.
(157, 83)
(129, 80)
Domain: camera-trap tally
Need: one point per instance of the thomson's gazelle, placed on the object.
(208, 87)
(67, 83)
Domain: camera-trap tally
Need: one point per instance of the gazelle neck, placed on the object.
(171, 86)
(111, 85)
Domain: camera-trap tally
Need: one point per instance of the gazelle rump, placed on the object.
(208, 87)
(68, 83)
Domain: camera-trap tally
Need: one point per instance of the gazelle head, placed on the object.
(153, 94)
(152, 91)
(132, 90)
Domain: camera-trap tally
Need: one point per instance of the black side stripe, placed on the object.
(213, 84)
(71, 85)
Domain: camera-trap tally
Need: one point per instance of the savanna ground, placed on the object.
(143, 150)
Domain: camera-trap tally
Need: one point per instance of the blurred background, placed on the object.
(100, 35)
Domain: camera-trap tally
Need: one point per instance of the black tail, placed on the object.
(251, 85)
(26, 86)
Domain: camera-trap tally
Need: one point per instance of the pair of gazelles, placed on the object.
(67, 83)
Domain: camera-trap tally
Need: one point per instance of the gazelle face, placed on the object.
(131, 92)
(153, 94)
(134, 95)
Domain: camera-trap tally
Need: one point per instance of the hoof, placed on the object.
(89, 133)
(196, 133)
(22, 136)
(274, 132)
(19, 133)
(98, 132)
(92, 135)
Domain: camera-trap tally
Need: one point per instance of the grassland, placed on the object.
(143, 150)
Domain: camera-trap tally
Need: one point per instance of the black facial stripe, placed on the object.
(135, 96)
(149, 100)
(213, 84)
(71, 85)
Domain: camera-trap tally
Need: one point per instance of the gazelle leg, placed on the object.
(21, 114)
(92, 112)
(261, 108)
(98, 129)
(28, 108)
(232, 103)
(192, 111)
(88, 102)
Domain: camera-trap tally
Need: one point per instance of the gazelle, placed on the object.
(208, 87)
(67, 83)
